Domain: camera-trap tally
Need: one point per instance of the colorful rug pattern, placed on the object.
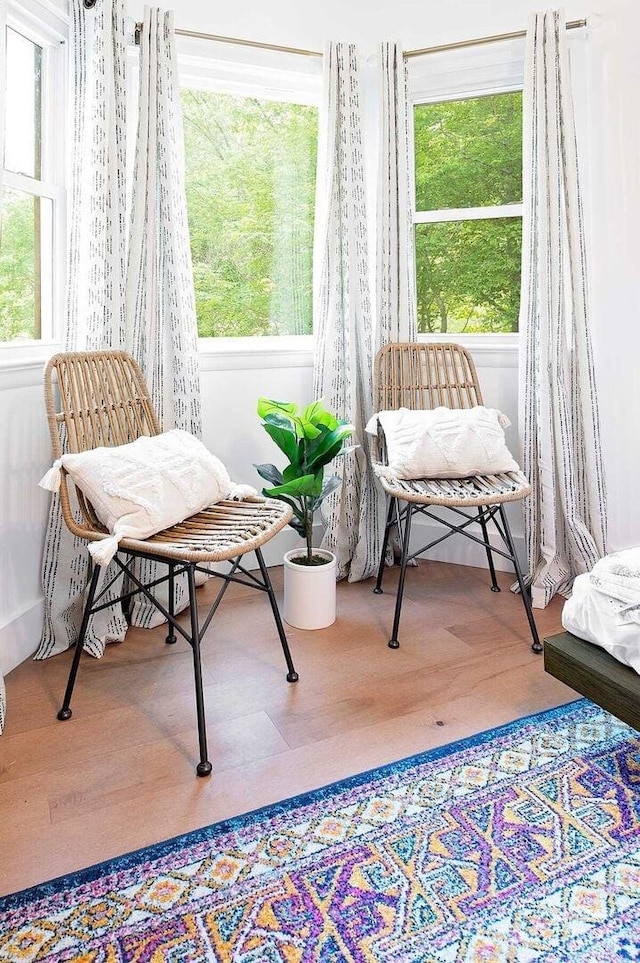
(520, 844)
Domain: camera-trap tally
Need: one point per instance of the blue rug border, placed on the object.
(117, 864)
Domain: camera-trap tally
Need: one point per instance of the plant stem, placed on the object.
(308, 527)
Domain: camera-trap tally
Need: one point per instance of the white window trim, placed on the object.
(267, 75)
(462, 75)
(43, 23)
(467, 214)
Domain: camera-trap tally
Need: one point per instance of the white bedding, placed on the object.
(590, 615)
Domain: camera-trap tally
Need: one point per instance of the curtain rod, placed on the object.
(478, 41)
(232, 40)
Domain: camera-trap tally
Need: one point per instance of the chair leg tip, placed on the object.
(393, 644)
(204, 768)
(64, 714)
(495, 588)
(292, 676)
(377, 591)
(171, 640)
(537, 647)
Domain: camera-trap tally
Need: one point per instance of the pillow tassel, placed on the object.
(244, 493)
(51, 481)
(103, 551)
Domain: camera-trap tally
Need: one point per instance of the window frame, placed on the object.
(49, 31)
(268, 75)
(455, 75)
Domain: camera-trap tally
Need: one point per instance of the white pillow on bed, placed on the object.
(146, 486)
(589, 615)
(444, 442)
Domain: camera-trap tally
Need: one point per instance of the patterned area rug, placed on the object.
(519, 844)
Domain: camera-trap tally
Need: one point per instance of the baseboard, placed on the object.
(19, 638)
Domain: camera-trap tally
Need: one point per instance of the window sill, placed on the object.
(22, 364)
(238, 354)
(487, 350)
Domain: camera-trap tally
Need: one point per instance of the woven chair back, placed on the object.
(96, 398)
(423, 376)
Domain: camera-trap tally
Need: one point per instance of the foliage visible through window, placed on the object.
(468, 176)
(25, 237)
(250, 182)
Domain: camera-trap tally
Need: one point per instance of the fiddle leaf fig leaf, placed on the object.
(270, 473)
(305, 485)
(268, 407)
(285, 439)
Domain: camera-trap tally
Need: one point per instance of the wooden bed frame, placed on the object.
(595, 674)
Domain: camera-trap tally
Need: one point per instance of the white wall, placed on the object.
(230, 389)
(24, 443)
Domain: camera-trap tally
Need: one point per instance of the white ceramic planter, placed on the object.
(309, 591)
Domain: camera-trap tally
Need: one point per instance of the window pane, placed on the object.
(469, 152)
(25, 245)
(468, 276)
(23, 105)
(250, 180)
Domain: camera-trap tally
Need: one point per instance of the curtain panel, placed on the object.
(3, 22)
(132, 290)
(162, 332)
(343, 321)
(96, 284)
(565, 518)
(395, 256)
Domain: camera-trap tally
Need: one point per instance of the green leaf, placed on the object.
(305, 485)
(327, 446)
(270, 473)
(312, 411)
(330, 485)
(285, 439)
(308, 430)
(268, 407)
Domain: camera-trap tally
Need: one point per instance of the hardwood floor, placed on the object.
(120, 774)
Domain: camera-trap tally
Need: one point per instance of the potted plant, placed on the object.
(309, 439)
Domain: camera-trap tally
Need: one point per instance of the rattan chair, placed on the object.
(104, 401)
(423, 376)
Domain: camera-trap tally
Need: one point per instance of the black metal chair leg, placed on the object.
(171, 633)
(292, 675)
(385, 541)
(524, 592)
(393, 641)
(65, 712)
(492, 569)
(204, 766)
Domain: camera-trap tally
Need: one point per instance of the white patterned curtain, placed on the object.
(343, 323)
(153, 313)
(95, 283)
(395, 264)
(162, 333)
(565, 518)
(3, 21)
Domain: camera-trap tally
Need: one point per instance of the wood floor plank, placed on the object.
(120, 774)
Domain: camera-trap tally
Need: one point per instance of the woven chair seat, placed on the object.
(219, 533)
(460, 492)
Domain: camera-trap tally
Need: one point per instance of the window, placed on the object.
(250, 183)
(32, 198)
(468, 217)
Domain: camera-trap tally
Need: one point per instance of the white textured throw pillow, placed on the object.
(143, 487)
(443, 442)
